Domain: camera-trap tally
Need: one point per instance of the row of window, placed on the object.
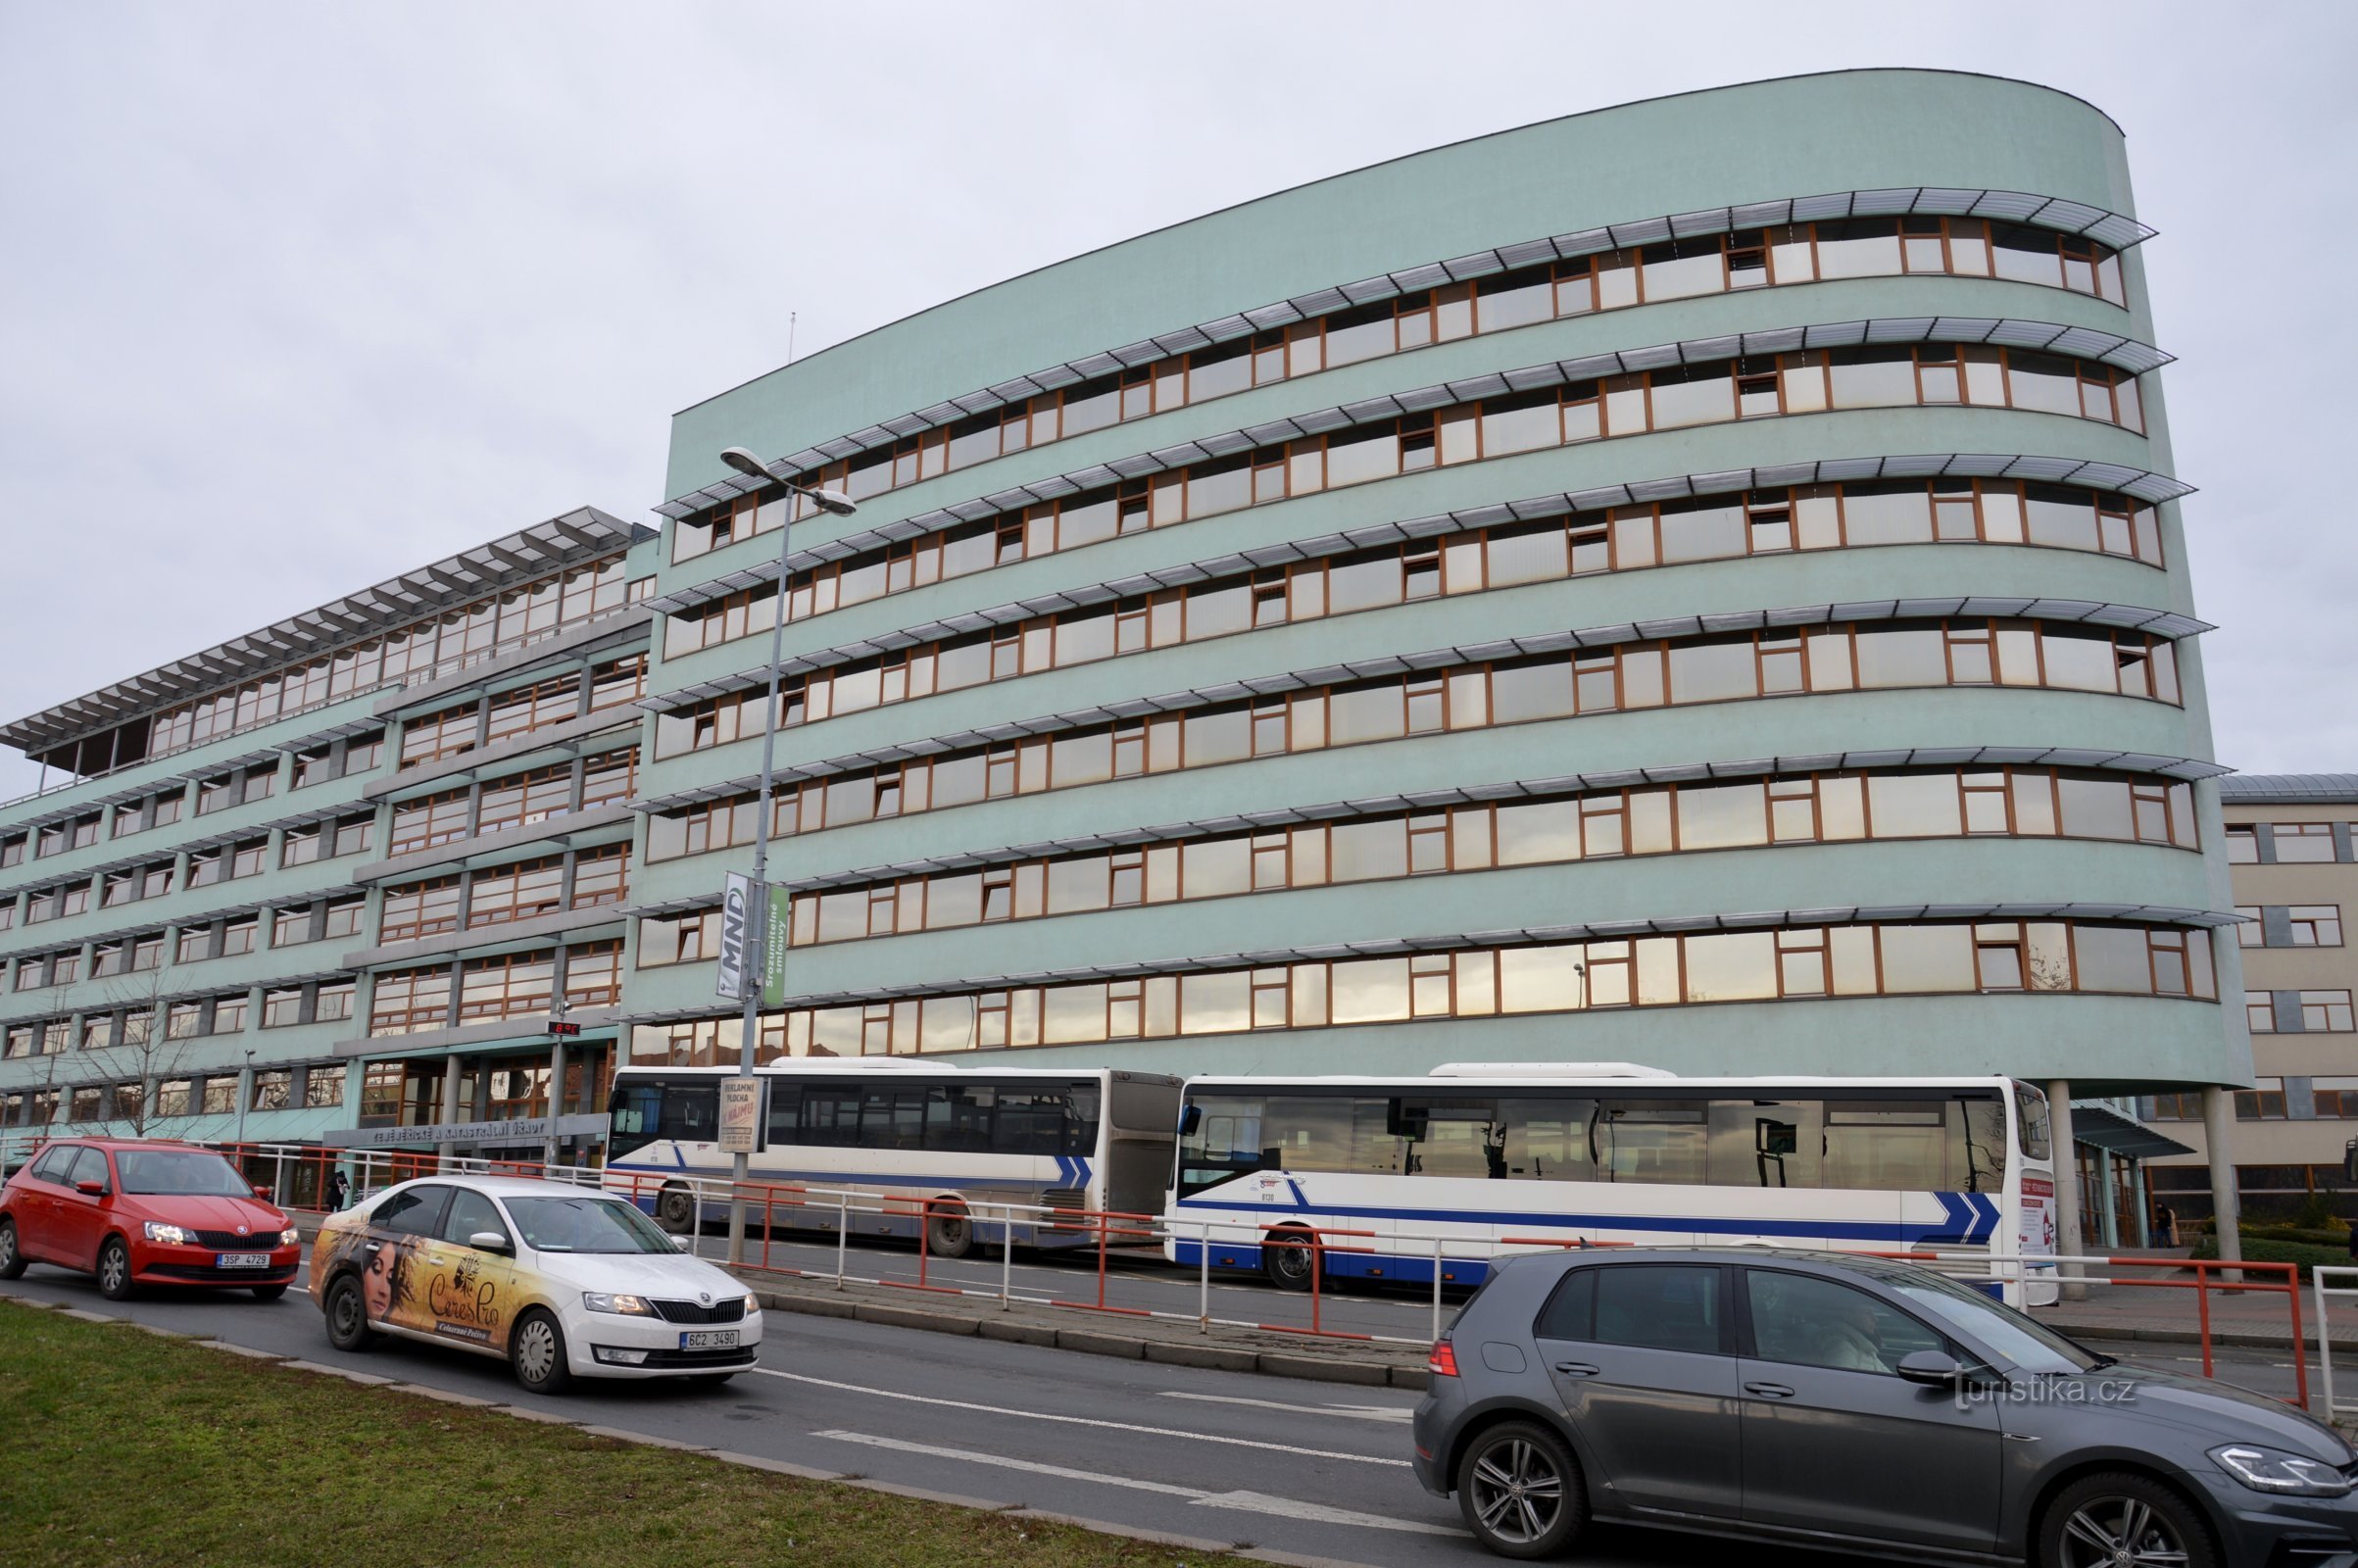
(2289, 925)
(192, 1018)
(506, 986)
(514, 800)
(490, 720)
(193, 941)
(429, 650)
(1757, 523)
(334, 760)
(1679, 269)
(1790, 964)
(1810, 808)
(523, 891)
(1866, 655)
(2290, 843)
(303, 846)
(2331, 1099)
(2309, 1013)
(90, 1103)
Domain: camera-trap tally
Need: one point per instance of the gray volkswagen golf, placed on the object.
(1852, 1405)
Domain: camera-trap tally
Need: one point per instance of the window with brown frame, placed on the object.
(343, 918)
(430, 737)
(334, 1001)
(2327, 1011)
(601, 876)
(423, 823)
(2303, 842)
(507, 986)
(290, 928)
(593, 975)
(1777, 965)
(1677, 268)
(522, 799)
(690, 938)
(1838, 658)
(409, 1001)
(420, 910)
(607, 777)
(549, 702)
(519, 892)
(1721, 668)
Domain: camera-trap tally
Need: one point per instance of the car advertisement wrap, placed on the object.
(428, 1286)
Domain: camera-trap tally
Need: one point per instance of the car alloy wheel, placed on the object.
(538, 1353)
(2122, 1520)
(12, 1261)
(113, 1269)
(1517, 1492)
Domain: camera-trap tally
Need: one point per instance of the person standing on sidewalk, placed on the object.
(336, 1190)
(2165, 1225)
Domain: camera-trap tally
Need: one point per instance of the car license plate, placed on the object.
(708, 1339)
(242, 1260)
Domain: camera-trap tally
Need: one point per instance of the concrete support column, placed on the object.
(2144, 1196)
(2108, 1224)
(2227, 1207)
(548, 1145)
(449, 1102)
(2066, 1151)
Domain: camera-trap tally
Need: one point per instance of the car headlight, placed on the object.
(169, 1235)
(753, 1303)
(626, 1305)
(2285, 1474)
(289, 1237)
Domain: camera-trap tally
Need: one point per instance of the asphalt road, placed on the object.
(1312, 1468)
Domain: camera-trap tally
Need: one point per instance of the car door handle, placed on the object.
(1577, 1370)
(1769, 1390)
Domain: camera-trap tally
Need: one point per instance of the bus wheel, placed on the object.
(1288, 1260)
(948, 1231)
(675, 1210)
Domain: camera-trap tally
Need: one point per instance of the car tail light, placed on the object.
(1442, 1363)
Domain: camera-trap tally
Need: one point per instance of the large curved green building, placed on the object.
(1699, 582)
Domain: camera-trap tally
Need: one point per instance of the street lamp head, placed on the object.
(834, 501)
(745, 462)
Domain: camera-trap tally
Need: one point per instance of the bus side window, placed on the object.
(1453, 1138)
(1888, 1145)
(785, 1112)
(1651, 1141)
(1766, 1143)
(830, 1115)
(1977, 1155)
(1548, 1139)
(1029, 1122)
(691, 1112)
(966, 1126)
(637, 1107)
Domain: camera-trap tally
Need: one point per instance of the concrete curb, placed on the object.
(646, 1440)
(1350, 1363)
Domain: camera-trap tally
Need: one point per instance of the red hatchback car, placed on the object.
(136, 1213)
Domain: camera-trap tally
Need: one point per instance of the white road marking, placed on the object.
(1077, 1420)
(1355, 1413)
(1237, 1502)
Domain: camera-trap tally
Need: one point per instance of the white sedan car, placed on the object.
(562, 1281)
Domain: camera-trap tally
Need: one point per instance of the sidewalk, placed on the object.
(2258, 1319)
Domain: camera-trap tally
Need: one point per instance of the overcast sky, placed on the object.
(294, 297)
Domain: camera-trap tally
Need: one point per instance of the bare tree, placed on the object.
(139, 1055)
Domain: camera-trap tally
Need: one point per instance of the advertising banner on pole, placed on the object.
(776, 932)
(740, 1116)
(736, 912)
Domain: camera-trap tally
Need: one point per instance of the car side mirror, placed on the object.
(488, 1242)
(262, 1189)
(680, 1243)
(1933, 1369)
(91, 1189)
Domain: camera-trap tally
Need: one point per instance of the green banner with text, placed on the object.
(777, 928)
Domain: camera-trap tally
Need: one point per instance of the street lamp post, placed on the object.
(757, 936)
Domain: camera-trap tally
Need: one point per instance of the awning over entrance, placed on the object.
(2108, 1129)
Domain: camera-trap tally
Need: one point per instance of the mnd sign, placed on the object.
(736, 915)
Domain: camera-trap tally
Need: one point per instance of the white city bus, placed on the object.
(1061, 1139)
(1604, 1151)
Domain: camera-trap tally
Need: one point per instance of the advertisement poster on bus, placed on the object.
(2037, 1218)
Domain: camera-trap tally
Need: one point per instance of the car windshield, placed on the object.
(585, 1225)
(2030, 1345)
(179, 1173)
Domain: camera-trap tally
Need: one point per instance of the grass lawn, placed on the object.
(124, 1449)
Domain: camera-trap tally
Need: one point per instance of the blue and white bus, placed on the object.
(1604, 1151)
(905, 1130)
